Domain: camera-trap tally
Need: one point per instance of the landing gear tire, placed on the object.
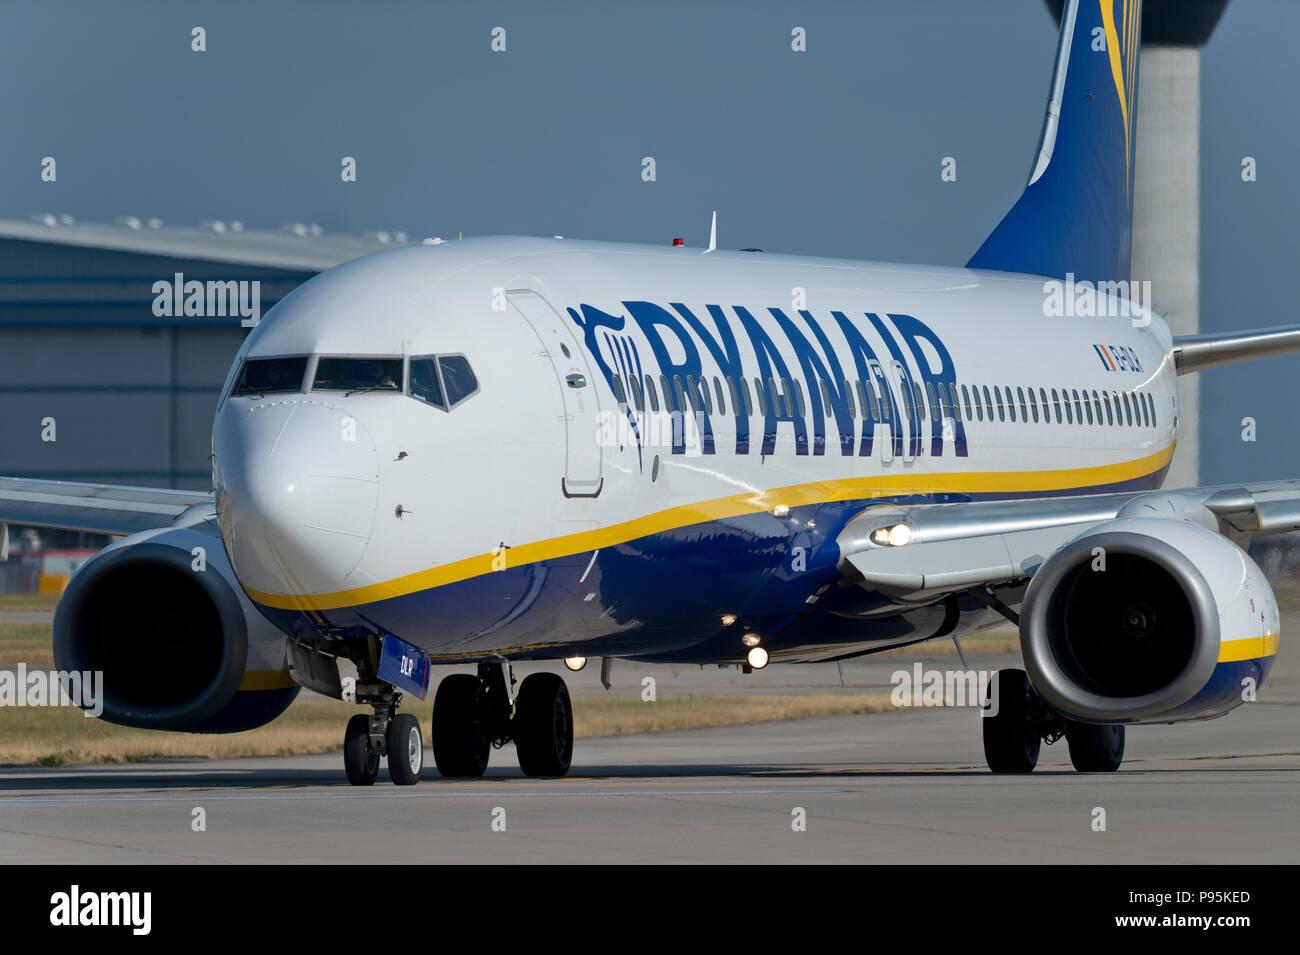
(405, 750)
(542, 726)
(1094, 748)
(1011, 738)
(362, 765)
(460, 746)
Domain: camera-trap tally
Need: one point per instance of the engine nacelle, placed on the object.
(1180, 624)
(180, 648)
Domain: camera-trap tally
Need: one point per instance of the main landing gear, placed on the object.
(1018, 721)
(472, 714)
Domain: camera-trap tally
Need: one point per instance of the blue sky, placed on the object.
(834, 151)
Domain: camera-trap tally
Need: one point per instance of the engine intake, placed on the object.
(1127, 622)
(172, 642)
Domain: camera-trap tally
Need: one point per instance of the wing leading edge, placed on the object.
(943, 548)
(94, 508)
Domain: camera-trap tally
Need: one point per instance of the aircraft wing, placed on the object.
(95, 508)
(915, 551)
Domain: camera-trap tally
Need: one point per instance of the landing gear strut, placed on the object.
(386, 733)
(473, 714)
(1017, 721)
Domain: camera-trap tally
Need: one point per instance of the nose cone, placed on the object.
(297, 483)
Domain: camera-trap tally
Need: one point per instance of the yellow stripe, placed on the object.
(820, 492)
(1113, 51)
(1252, 648)
(266, 680)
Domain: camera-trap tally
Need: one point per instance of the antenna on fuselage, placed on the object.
(713, 234)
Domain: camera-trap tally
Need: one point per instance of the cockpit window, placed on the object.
(424, 382)
(358, 374)
(264, 376)
(442, 380)
(458, 378)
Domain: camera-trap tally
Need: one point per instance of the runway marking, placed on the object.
(250, 797)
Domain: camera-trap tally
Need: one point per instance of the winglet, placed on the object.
(713, 234)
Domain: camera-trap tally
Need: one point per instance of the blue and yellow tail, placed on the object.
(1076, 214)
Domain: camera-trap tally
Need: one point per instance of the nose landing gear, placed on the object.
(386, 733)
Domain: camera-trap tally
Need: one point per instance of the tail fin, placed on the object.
(1076, 214)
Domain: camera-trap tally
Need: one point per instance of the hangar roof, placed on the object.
(296, 246)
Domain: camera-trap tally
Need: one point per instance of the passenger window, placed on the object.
(637, 395)
(825, 389)
(1047, 414)
(1152, 402)
(760, 396)
(1078, 407)
(798, 398)
(424, 383)
(616, 384)
(979, 407)
(722, 402)
(1110, 417)
(358, 374)
(1096, 403)
(651, 393)
(1033, 405)
(1002, 410)
(265, 376)
(1020, 392)
(848, 397)
(1128, 411)
(965, 398)
(668, 393)
(679, 397)
(735, 399)
(457, 378)
(1069, 412)
(919, 399)
(746, 398)
(935, 410)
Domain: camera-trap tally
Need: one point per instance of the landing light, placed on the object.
(894, 536)
(750, 639)
(575, 663)
(757, 657)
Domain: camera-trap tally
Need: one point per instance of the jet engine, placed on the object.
(180, 647)
(1148, 620)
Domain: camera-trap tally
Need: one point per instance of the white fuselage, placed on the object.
(560, 503)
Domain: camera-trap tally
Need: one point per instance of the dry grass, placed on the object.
(28, 601)
(52, 737)
(26, 643)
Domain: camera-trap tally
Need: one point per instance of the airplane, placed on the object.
(507, 449)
